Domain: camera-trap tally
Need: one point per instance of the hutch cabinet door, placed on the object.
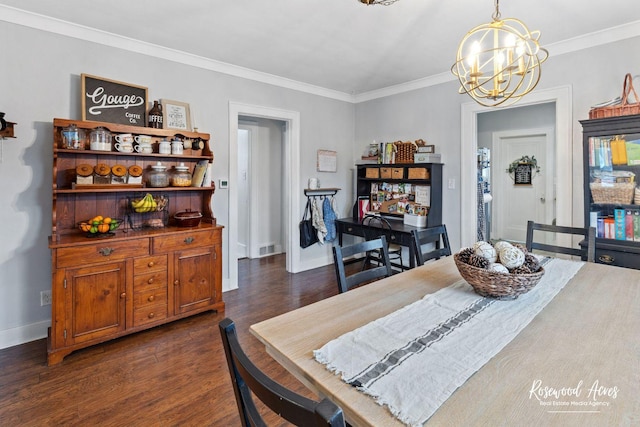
(95, 302)
(195, 281)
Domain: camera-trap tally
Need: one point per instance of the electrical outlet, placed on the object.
(45, 298)
(452, 183)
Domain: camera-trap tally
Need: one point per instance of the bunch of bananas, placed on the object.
(146, 204)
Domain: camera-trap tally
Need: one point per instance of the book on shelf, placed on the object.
(636, 225)
(619, 224)
(633, 152)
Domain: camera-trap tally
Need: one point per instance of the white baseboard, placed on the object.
(24, 334)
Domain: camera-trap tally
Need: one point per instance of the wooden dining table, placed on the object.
(584, 346)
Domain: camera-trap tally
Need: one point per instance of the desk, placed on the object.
(400, 233)
(588, 332)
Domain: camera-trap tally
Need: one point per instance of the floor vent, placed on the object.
(266, 250)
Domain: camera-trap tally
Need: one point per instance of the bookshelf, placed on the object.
(611, 169)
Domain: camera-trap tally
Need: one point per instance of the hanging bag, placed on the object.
(308, 235)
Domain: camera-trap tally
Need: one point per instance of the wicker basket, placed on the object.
(617, 193)
(624, 108)
(497, 285)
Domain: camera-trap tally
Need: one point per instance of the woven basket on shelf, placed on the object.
(619, 192)
(624, 108)
(497, 285)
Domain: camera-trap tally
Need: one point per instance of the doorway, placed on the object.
(260, 187)
(561, 96)
(290, 176)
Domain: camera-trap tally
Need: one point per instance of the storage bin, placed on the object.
(385, 172)
(418, 173)
(397, 173)
(372, 173)
(415, 220)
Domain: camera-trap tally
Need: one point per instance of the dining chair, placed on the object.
(433, 235)
(375, 226)
(365, 275)
(589, 234)
(248, 379)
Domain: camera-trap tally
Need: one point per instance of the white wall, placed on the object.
(42, 82)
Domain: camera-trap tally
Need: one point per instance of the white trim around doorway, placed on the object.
(291, 196)
(561, 96)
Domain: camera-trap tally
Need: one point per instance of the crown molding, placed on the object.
(64, 28)
(57, 26)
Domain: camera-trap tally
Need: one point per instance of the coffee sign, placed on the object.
(105, 100)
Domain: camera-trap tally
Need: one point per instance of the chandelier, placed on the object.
(498, 63)
(382, 2)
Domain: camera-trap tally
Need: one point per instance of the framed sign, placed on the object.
(522, 174)
(327, 161)
(176, 115)
(111, 101)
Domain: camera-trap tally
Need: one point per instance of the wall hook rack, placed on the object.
(320, 191)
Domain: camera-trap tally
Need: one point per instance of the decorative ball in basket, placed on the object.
(502, 271)
(99, 226)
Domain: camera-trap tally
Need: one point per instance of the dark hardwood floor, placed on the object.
(172, 375)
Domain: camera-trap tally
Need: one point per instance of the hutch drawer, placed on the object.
(102, 251)
(182, 241)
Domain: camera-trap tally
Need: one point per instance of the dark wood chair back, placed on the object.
(436, 235)
(247, 378)
(376, 226)
(340, 253)
(589, 234)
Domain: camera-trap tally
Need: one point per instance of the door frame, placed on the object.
(291, 196)
(561, 96)
(497, 143)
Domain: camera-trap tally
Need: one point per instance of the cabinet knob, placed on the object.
(606, 259)
(189, 240)
(150, 281)
(151, 315)
(151, 298)
(177, 282)
(105, 251)
(151, 264)
(350, 229)
(123, 295)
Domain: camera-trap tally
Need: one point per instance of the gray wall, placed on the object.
(42, 81)
(433, 114)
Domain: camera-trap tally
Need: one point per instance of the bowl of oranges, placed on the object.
(99, 226)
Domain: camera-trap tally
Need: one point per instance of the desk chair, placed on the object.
(377, 226)
(436, 235)
(248, 379)
(588, 233)
(340, 253)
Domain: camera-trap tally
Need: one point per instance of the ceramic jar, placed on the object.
(176, 147)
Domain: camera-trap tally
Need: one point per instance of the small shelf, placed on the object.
(320, 191)
(119, 154)
(119, 189)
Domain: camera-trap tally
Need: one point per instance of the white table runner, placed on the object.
(412, 360)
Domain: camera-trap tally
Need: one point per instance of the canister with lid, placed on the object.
(158, 177)
(181, 177)
(72, 137)
(102, 174)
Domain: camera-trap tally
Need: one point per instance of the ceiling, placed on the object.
(341, 45)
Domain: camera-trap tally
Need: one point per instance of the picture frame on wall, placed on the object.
(327, 161)
(111, 101)
(177, 115)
